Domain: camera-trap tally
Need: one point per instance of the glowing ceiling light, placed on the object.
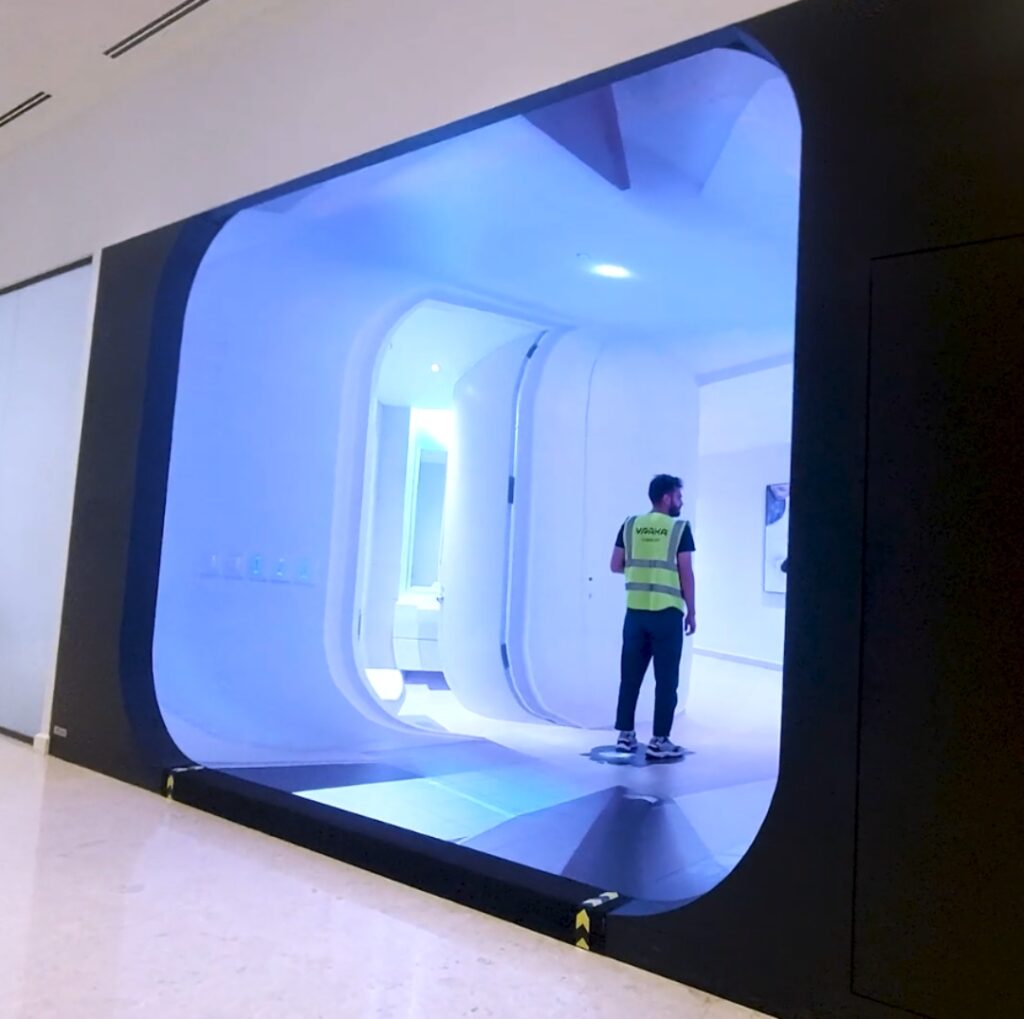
(612, 272)
(435, 367)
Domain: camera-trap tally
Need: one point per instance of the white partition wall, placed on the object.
(476, 533)
(610, 412)
(545, 597)
(384, 537)
(44, 351)
(746, 427)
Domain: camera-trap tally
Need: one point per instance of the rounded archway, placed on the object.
(415, 403)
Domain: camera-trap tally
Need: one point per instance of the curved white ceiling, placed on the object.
(708, 228)
(451, 338)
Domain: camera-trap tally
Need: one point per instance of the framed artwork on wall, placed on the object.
(776, 538)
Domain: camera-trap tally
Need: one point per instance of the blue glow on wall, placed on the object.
(258, 652)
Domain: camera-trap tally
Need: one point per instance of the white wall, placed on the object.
(476, 533)
(384, 575)
(600, 430)
(43, 357)
(745, 436)
(642, 421)
(310, 84)
(268, 459)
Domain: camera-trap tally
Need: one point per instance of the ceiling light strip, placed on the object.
(148, 31)
(22, 108)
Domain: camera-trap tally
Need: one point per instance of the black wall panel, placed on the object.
(105, 713)
(913, 120)
(941, 786)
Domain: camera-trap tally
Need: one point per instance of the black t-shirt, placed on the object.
(685, 543)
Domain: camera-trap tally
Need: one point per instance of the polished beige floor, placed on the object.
(115, 902)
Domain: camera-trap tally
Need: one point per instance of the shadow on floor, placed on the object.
(612, 755)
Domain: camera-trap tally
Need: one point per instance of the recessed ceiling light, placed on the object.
(435, 367)
(612, 272)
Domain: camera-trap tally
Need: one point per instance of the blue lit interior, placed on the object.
(364, 364)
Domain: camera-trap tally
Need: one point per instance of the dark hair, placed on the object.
(663, 485)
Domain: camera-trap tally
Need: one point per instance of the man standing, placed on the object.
(654, 551)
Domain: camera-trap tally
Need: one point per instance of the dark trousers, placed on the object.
(647, 635)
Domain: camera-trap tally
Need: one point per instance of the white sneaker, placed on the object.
(627, 743)
(661, 748)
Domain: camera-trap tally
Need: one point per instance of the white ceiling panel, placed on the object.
(58, 47)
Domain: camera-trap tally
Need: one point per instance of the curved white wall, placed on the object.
(609, 412)
(267, 461)
(476, 534)
(264, 548)
(547, 562)
(265, 545)
(383, 538)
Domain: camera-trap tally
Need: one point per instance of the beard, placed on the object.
(674, 511)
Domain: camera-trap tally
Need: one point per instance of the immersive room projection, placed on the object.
(415, 404)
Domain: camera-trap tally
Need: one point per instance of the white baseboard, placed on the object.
(41, 743)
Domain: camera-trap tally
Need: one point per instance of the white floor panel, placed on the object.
(563, 800)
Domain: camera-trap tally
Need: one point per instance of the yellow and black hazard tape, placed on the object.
(169, 778)
(590, 919)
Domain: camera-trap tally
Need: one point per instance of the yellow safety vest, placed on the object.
(652, 567)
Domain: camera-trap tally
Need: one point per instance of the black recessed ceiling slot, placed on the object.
(153, 28)
(22, 108)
